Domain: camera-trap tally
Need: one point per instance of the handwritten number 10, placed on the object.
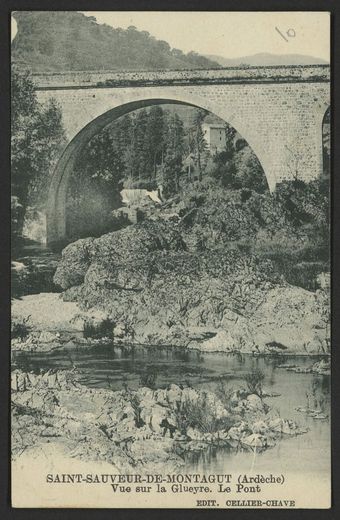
(288, 34)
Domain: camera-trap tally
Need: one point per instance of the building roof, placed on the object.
(211, 118)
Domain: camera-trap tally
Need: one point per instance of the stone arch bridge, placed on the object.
(278, 110)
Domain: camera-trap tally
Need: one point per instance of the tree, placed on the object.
(94, 187)
(198, 142)
(172, 166)
(154, 138)
(123, 138)
(177, 53)
(23, 99)
(141, 145)
(248, 171)
(121, 131)
(224, 169)
(101, 161)
(131, 153)
(49, 141)
(230, 134)
(37, 138)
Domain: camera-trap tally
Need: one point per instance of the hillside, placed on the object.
(59, 40)
(265, 59)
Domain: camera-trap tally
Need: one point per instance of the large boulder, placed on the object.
(157, 291)
(75, 261)
(96, 260)
(288, 319)
(294, 319)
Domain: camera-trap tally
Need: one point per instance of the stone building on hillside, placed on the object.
(214, 134)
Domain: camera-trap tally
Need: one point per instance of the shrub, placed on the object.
(224, 393)
(254, 381)
(19, 328)
(224, 173)
(17, 216)
(135, 403)
(198, 414)
(249, 173)
(94, 330)
(148, 378)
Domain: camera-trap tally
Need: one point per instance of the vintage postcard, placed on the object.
(170, 177)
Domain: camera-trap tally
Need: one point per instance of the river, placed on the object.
(113, 367)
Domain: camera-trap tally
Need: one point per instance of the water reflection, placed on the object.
(124, 367)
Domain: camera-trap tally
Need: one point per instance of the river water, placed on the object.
(39, 264)
(113, 367)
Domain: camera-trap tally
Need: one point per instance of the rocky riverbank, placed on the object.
(212, 269)
(138, 430)
(322, 367)
(209, 270)
(155, 291)
(285, 323)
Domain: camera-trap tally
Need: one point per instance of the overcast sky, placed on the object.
(231, 34)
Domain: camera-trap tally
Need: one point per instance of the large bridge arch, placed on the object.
(278, 110)
(56, 206)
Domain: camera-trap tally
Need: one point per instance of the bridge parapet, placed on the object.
(242, 75)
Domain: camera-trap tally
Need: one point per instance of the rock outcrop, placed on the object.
(212, 269)
(145, 429)
(156, 290)
(289, 320)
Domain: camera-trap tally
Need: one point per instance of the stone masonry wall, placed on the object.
(240, 74)
(281, 120)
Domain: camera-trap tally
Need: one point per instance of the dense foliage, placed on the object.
(156, 146)
(60, 40)
(162, 147)
(37, 137)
